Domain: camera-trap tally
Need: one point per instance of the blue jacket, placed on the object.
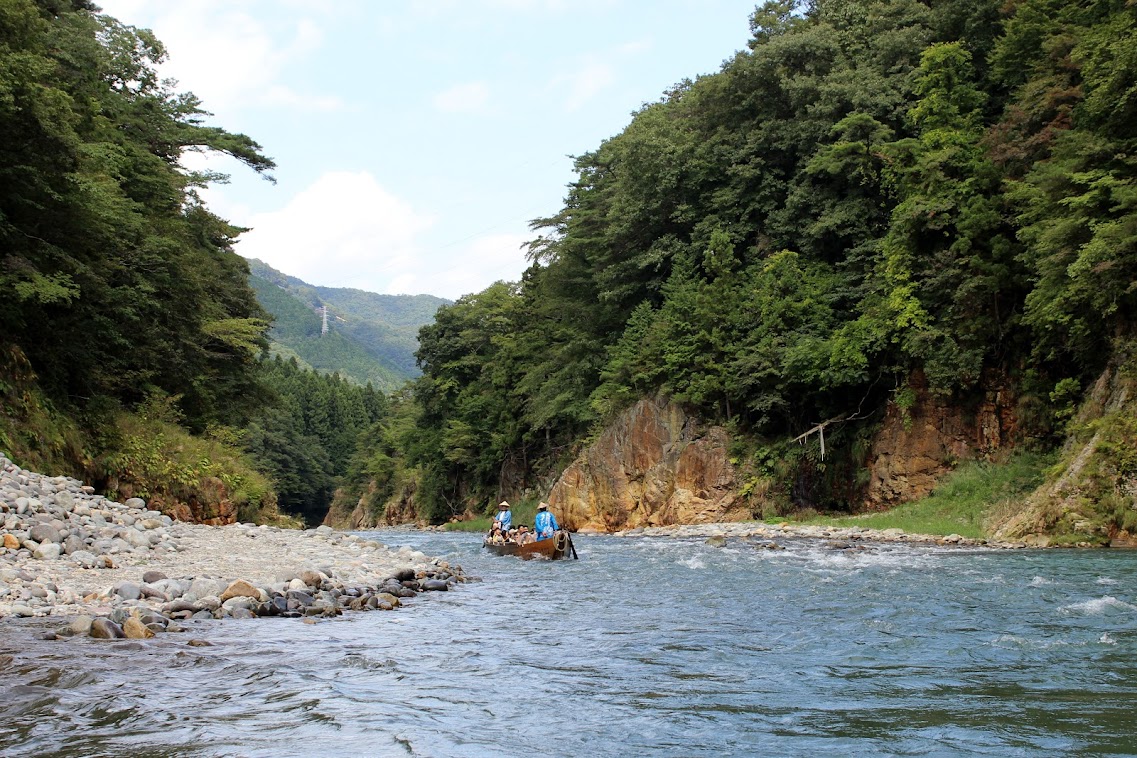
(544, 524)
(505, 518)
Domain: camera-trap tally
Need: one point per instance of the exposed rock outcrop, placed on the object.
(654, 466)
(1091, 498)
(346, 513)
(920, 443)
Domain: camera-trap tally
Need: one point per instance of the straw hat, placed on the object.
(503, 504)
(542, 506)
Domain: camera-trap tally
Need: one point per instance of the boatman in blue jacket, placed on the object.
(504, 516)
(544, 523)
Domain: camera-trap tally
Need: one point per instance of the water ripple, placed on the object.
(673, 648)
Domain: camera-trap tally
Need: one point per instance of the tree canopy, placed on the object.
(118, 280)
(869, 189)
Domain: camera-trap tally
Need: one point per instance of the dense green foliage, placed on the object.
(296, 333)
(130, 339)
(371, 338)
(306, 436)
(117, 281)
(870, 189)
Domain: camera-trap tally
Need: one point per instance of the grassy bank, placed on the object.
(963, 503)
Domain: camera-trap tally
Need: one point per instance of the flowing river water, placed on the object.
(645, 646)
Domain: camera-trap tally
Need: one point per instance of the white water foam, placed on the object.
(1107, 639)
(1015, 641)
(1040, 581)
(693, 562)
(1106, 580)
(844, 562)
(1099, 605)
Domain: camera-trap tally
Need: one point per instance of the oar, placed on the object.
(572, 547)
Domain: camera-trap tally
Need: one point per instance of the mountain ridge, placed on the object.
(371, 337)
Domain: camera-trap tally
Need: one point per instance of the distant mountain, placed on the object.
(371, 337)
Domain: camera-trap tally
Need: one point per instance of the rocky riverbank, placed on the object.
(835, 534)
(122, 570)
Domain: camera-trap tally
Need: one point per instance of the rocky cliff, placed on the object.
(925, 435)
(1090, 497)
(360, 513)
(657, 466)
(654, 466)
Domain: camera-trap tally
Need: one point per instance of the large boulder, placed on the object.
(42, 532)
(105, 629)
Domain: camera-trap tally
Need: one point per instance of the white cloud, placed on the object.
(481, 262)
(346, 230)
(225, 54)
(585, 83)
(463, 98)
(283, 96)
(635, 47)
(526, 5)
(595, 72)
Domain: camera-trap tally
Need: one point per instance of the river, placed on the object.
(645, 646)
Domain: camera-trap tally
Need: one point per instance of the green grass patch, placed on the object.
(964, 501)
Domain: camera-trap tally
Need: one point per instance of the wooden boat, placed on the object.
(559, 546)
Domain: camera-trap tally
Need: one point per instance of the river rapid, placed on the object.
(645, 646)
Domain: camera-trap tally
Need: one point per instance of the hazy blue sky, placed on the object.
(415, 140)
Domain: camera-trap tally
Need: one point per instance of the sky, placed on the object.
(416, 139)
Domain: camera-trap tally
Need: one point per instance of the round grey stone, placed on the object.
(44, 533)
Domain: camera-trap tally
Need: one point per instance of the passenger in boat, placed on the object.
(498, 538)
(504, 517)
(524, 536)
(544, 523)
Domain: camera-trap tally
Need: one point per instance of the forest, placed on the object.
(868, 190)
(133, 351)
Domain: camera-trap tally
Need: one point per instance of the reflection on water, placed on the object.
(642, 646)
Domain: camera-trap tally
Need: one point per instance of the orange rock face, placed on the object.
(912, 451)
(654, 466)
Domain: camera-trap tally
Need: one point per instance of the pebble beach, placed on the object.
(110, 569)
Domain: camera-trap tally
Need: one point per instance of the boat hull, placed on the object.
(550, 549)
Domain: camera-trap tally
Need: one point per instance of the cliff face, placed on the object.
(657, 466)
(348, 514)
(654, 466)
(1091, 495)
(919, 444)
